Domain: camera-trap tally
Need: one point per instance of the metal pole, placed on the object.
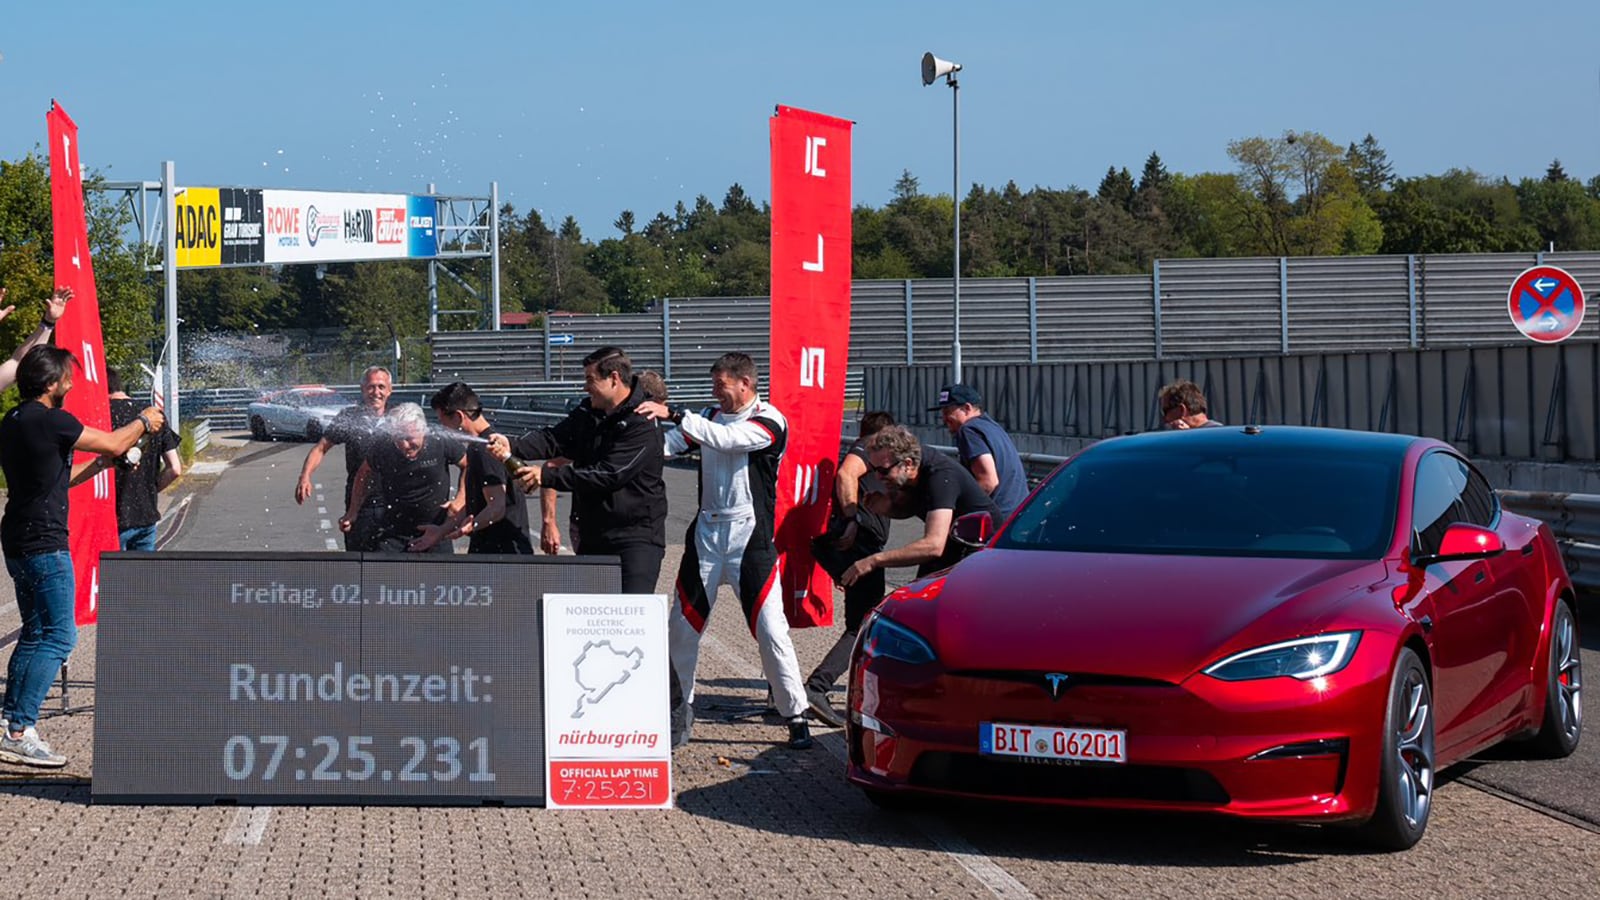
(1411, 298)
(547, 375)
(666, 339)
(433, 277)
(1033, 319)
(955, 194)
(1155, 303)
(1283, 304)
(169, 270)
(494, 252)
(911, 338)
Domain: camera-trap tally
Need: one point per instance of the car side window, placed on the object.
(1480, 504)
(1437, 502)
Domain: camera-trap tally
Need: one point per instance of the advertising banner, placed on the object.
(243, 227)
(810, 339)
(325, 226)
(606, 694)
(198, 223)
(92, 505)
(246, 226)
(422, 236)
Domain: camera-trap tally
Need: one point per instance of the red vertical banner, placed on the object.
(811, 253)
(91, 506)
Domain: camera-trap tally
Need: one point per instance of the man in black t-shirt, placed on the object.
(357, 428)
(930, 486)
(412, 468)
(496, 512)
(854, 531)
(37, 439)
(140, 479)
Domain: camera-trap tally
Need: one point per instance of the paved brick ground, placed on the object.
(753, 819)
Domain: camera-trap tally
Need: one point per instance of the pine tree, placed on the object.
(1370, 165)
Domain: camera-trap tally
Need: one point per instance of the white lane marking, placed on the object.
(249, 826)
(332, 544)
(319, 498)
(988, 873)
(322, 510)
(325, 525)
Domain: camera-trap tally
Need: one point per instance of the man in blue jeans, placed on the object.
(142, 475)
(37, 438)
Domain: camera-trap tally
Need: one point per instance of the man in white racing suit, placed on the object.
(731, 540)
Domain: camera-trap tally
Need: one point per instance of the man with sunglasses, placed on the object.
(931, 486)
(1183, 406)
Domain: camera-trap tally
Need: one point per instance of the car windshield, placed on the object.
(315, 399)
(1320, 504)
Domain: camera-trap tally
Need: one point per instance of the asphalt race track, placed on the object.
(752, 818)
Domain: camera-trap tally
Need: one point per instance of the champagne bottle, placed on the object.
(514, 466)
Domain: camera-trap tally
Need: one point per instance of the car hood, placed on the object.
(1138, 616)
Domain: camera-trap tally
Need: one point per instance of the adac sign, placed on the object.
(198, 221)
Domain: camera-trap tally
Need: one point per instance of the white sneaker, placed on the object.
(5, 728)
(29, 750)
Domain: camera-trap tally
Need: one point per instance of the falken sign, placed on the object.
(241, 226)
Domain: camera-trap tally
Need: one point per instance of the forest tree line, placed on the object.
(1298, 194)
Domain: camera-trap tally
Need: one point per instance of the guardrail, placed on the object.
(1575, 520)
(202, 435)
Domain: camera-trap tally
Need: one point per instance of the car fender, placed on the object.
(1557, 586)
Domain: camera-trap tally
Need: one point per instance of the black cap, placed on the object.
(955, 395)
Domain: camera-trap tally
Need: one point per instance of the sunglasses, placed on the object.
(883, 471)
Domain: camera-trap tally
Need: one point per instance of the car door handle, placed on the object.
(1478, 578)
(1527, 550)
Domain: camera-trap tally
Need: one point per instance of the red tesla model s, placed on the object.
(1302, 624)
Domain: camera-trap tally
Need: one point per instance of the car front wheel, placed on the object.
(258, 428)
(1405, 786)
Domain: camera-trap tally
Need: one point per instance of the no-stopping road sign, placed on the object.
(1546, 304)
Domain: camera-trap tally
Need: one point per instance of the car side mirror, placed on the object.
(1461, 542)
(973, 529)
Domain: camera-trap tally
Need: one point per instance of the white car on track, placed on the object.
(298, 412)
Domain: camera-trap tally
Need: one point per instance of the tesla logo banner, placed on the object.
(810, 339)
(91, 506)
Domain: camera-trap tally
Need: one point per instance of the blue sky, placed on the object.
(589, 108)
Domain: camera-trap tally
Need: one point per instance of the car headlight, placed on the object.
(1302, 658)
(884, 638)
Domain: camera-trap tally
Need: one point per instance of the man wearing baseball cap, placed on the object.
(984, 447)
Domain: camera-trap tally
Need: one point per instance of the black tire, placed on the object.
(258, 429)
(1562, 726)
(1406, 769)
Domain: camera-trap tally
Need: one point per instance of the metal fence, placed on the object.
(1524, 402)
(1184, 309)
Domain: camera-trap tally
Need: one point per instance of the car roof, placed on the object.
(1286, 439)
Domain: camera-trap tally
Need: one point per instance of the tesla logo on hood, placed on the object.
(1057, 682)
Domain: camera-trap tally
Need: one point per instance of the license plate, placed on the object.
(1050, 742)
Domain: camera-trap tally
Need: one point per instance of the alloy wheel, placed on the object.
(1414, 751)
(1569, 677)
